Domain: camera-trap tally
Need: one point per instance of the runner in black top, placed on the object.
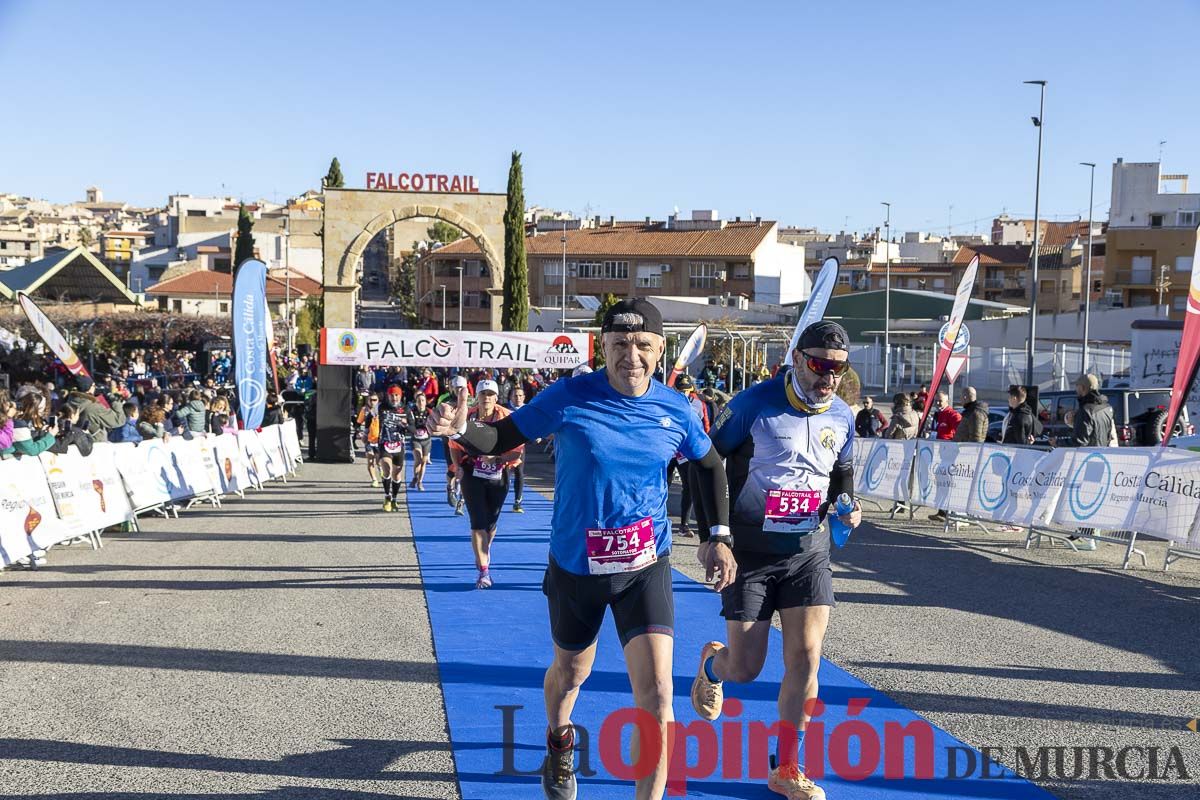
(393, 424)
(418, 427)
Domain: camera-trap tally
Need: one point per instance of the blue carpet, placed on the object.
(493, 648)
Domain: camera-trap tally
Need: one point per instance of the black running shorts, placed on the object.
(484, 499)
(396, 457)
(641, 602)
(768, 582)
(422, 446)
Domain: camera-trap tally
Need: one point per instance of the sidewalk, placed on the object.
(266, 649)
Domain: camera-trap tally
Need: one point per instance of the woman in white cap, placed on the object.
(453, 495)
(484, 480)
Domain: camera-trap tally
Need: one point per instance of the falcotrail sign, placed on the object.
(417, 348)
(422, 182)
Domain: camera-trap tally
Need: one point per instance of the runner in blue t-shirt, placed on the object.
(615, 430)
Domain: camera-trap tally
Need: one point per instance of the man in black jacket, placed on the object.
(1022, 426)
(1094, 422)
(1094, 426)
(869, 421)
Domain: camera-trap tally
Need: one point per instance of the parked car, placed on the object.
(1140, 415)
(995, 424)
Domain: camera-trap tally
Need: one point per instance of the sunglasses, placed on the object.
(825, 366)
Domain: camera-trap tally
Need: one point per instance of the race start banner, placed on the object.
(353, 347)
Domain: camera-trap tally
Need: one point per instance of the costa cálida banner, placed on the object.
(947, 341)
(51, 335)
(1189, 347)
(416, 348)
(250, 341)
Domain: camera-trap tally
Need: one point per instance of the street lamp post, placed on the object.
(1087, 287)
(460, 294)
(564, 277)
(1037, 196)
(442, 286)
(887, 301)
(287, 277)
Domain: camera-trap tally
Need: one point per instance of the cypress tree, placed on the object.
(333, 178)
(515, 313)
(245, 241)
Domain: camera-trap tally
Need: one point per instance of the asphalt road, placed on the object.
(1005, 647)
(279, 648)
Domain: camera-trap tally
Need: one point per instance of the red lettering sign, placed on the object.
(422, 182)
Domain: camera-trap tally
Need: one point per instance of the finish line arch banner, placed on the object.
(352, 347)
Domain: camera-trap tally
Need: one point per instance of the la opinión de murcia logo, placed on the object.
(853, 750)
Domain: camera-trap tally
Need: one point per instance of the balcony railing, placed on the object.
(1136, 277)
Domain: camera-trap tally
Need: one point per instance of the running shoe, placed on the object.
(518, 508)
(484, 581)
(707, 697)
(558, 772)
(412, 484)
(938, 517)
(420, 486)
(449, 496)
(685, 531)
(387, 505)
(395, 505)
(375, 484)
(790, 781)
(458, 508)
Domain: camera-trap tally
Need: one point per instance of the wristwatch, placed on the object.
(721, 535)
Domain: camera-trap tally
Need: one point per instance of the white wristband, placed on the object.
(719, 530)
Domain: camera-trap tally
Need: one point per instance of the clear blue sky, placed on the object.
(809, 113)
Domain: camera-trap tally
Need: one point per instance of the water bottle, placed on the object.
(839, 530)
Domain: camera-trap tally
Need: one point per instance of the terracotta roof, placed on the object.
(637, 240)
(1061, 233)
(994, 254)
(206, 282)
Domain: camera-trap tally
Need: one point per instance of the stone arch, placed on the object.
(448, 215)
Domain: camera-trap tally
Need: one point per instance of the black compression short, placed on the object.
(767, 583)
(641, 602)
(484, 499)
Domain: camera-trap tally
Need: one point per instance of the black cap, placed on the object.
(684, 382)
(84, 383)
(825, 334)
(633, 315)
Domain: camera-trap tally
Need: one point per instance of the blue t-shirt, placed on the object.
(611, 454)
